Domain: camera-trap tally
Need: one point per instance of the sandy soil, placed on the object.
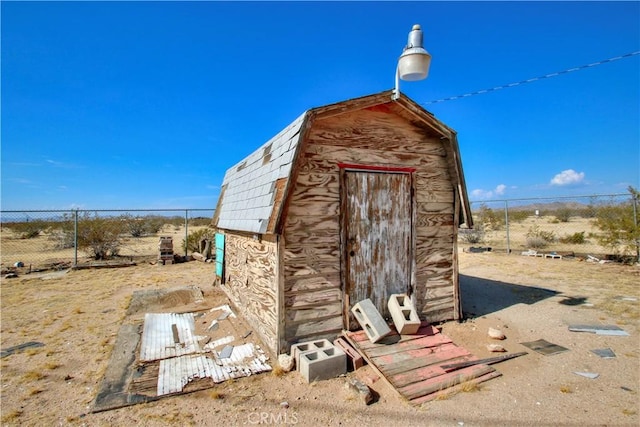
(77, 316)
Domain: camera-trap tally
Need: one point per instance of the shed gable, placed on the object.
(254, 189)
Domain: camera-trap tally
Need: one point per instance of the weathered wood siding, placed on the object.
(312, 253)
(251, 272)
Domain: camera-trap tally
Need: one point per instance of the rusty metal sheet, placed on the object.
(545, 347)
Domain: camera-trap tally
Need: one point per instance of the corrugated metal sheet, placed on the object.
(170, 338)
(177, 372)
(248, 199)
(158, 340)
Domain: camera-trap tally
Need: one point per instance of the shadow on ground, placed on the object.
(483, 296)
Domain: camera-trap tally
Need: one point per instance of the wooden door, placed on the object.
(377, 225)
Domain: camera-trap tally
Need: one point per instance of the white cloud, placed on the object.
(487, 194)
(57, 164)
(568, 177)
(21, 180)
(480, 194)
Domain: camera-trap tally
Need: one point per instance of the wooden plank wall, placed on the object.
(374, 136)
(251, 272)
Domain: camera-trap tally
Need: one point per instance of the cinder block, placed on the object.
(371, 320)
(302, 347)
(404, 314)
(354, 359)
(323, 364)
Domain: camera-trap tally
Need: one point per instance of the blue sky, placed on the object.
(116, 105)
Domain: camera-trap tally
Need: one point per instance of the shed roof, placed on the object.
(248, 199)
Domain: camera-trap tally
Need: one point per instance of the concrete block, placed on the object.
(354, 359)
(371, 320)
(404, 314)
(323, 364)
(302, 347)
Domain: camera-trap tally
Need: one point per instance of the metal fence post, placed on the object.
(506, 222)
(634, 198)
(75, 238)
(186, 232)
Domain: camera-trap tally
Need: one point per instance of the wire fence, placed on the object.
(56, 239)
(597, 226)
(600, 226)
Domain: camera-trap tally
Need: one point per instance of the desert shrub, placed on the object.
(575, 238)
(563, 214)
(63, 239)
(536, 242)
(537, 238)
(473, 236)
(199, 221)
(154, 224)
(489, 219)
(100, 236)
(135, 225)
(28, 229)
(175, 221)
(192, 244)
(518, 216)
(140, 226)
(619, 231)
(589, 211)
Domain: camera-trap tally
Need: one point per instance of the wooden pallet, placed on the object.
(411, 364)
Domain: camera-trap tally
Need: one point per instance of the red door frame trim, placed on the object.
(375, 168)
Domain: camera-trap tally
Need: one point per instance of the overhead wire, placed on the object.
(534, 79)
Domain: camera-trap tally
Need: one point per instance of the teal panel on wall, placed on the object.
(219, 255)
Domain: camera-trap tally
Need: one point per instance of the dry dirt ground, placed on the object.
(77, 315)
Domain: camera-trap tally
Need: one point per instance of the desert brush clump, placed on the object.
(216, 394)
(11, 416)
(470, 386)
(192, 244)
(575, 238)
(538, 239)
(28, 229)
(139, 226)
(98, 236)
(619, 226)
(488, 218)
(474, 235)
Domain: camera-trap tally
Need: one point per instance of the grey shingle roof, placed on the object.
(249, 194)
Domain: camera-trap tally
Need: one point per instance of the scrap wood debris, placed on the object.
(488, 361)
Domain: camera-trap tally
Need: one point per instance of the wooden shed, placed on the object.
(353, 200)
